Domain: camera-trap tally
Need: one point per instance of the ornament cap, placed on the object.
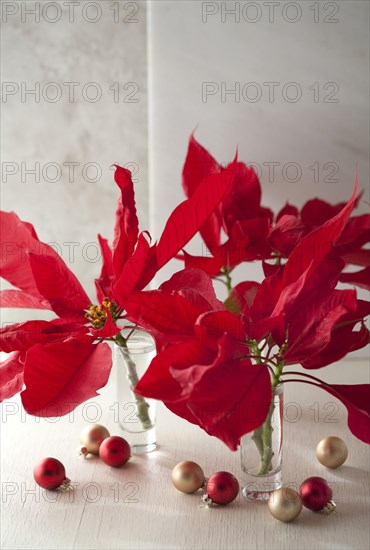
(66, 484)
(330, 507)
(206, 502)
(82, 451)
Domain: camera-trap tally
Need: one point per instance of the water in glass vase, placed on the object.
(261, 453)
(136, 415)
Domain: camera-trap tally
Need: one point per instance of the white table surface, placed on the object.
(137, 506)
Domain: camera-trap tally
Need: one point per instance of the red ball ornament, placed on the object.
(221, 488)
(316, 494)
(50, 474)
(115, 451)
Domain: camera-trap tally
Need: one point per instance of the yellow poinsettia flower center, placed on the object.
(97, 315)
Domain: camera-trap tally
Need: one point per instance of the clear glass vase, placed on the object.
(136, 415)
(261, 453)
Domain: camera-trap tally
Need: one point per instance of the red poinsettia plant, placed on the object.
(218, 363)
(59, 364)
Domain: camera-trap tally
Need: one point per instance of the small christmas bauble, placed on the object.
(50, 474)
(187, 476)
(115, 451)
(91, 438)
(221, 488)
(316, 494)
(332, 452)
(285, 504)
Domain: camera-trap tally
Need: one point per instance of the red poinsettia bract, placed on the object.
(239, 216)
(292, 225)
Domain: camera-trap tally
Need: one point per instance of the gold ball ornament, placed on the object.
(285, 504)
(188, 476)
(332, 452)
(91, 438)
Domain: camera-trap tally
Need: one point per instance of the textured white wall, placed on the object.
(76, 128)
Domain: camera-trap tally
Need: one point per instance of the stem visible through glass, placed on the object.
(141, 403)
(263, 439)
(262, 435)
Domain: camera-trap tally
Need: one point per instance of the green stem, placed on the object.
(267, 452)
(228, 281)
(262, 436)
(278, 373)
(257, 438)
(141, 404)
